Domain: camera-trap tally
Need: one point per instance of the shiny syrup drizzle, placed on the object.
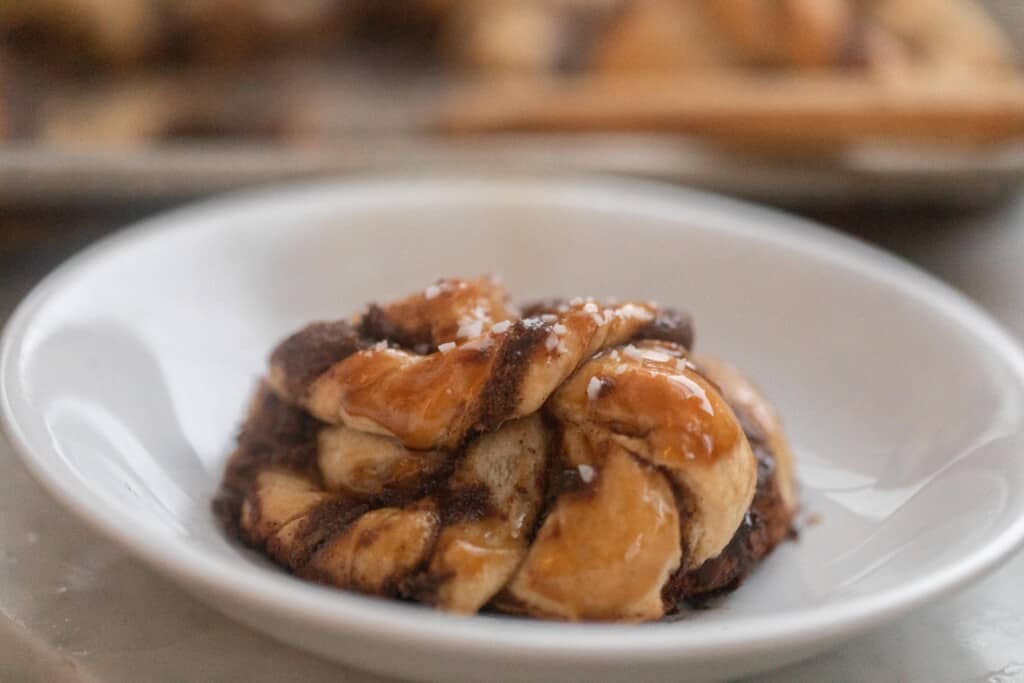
(417, 397)
(414, 397)
(648, 390)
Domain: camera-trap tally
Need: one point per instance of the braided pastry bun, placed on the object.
(569, 461)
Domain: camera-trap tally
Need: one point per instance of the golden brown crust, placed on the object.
(370, 466)
(649, 400)
(605, 551)
(472, 385)
(482, 544)
(771, 516)
(378, 550)
(438, 314)
(645, 482)
(759, 418)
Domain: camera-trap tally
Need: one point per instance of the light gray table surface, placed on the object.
(75, 607)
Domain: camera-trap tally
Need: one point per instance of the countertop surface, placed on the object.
(74, 607)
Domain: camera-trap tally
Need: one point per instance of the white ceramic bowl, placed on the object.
(125, 373)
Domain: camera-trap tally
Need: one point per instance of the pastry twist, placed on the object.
(570, 461)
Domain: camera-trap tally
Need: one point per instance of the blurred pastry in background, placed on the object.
(785, 77)
(136, 72)
(125, 34)
(954, 36)
(686, 35)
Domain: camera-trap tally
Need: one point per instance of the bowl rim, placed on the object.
(278, 593)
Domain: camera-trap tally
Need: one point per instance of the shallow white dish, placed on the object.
(124, 375)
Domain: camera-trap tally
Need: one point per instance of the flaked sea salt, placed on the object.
(635, 312)
(470, 328)
(633, 352)
(656, 356)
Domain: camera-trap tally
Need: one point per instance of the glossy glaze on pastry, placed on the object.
(567, 461)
